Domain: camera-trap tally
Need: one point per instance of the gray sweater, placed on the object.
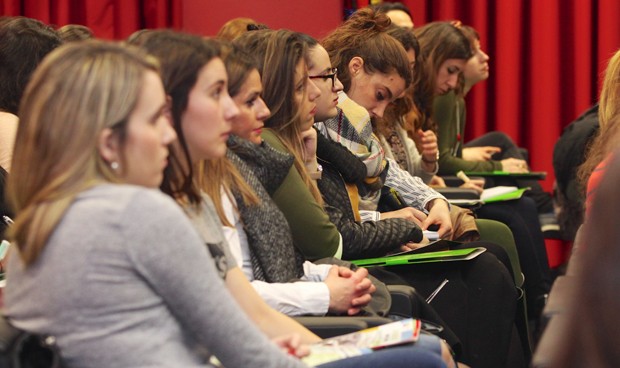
(125, 281)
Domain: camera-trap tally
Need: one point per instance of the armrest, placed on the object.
(8, 335)
(454, 181)
(331, 326)
(403, 300)
(23, 349)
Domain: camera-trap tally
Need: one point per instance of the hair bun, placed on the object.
(368, 20)
(368, 24)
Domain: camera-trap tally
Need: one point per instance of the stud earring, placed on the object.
(114, 165)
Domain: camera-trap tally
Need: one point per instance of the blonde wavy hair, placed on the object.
(608, 135)
(79, 90)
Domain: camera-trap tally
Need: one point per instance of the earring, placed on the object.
(114, 165)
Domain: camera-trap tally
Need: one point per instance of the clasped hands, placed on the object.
(349, 291)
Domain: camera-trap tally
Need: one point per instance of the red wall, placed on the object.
(316, 18)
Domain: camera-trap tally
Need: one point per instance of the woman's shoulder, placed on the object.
(125, 200)
(445, 101)
(271, 137)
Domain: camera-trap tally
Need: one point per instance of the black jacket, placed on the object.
(360, 239)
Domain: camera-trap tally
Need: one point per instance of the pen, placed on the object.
(434, 293)
(461, 175)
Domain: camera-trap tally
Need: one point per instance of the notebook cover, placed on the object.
(539, 175)
(417, 258)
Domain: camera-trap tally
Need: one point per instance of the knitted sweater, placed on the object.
(274, 258)
(125, 281)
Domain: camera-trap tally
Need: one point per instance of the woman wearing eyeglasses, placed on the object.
(371, 82)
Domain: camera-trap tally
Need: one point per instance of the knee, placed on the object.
(527, 207)
(446, 355)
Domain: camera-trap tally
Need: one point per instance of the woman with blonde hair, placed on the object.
(608, 136)
(92, 265)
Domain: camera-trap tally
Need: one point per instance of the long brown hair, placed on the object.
(364, 35)
(608, 136)
(397, 111)
(182, 57)
(61, 119)
(439, 41)
(278, 54)
(221, 173)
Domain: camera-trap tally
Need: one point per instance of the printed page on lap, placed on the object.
(364, 342)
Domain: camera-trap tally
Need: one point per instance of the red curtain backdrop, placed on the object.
(109, 19)
(546, 55)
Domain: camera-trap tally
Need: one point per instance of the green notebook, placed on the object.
(417, 258)
(539, 175)
(438, 251)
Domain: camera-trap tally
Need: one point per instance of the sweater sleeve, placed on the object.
(445, 109)
(373, 238)
(313, 234)
(414, 158)
(172, 259)
(413, 190)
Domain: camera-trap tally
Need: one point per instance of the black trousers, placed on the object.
(478, 303)
(521, 217)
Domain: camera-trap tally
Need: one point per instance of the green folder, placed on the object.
(539, 175)
(506, 196)
(418, 258)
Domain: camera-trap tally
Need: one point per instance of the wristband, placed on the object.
(431, 162)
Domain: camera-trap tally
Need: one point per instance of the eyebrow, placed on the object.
(221, 82)
(253, 95)
(159, 111)
(301, 81)
(389, 92)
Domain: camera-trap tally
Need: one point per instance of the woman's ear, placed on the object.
(356, 64)
(108, 146)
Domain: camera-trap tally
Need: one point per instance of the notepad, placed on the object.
(492, 195)
(501, 193)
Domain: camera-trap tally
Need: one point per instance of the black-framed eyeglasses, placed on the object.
(332, 74)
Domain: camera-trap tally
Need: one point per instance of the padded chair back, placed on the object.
(20, 349)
